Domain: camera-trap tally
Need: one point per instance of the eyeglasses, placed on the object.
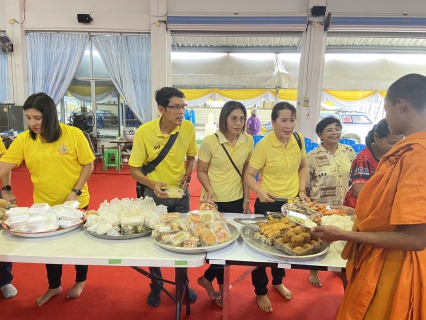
(331, 130)
(177, 107)
(235, 119)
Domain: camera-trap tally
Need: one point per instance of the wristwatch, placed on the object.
(77, 192)
(248, 200)
(7, 188)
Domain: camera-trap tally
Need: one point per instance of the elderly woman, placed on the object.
(379, 141)
(253, 123)
(329, 165)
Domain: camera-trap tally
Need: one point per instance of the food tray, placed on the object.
(234, 236)
(119, 237)
(271, 251)
(301, 207)
(43, 234)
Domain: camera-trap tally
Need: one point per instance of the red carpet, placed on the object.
(120, 292)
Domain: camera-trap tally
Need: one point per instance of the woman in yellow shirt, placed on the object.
(281, 159)
(60, 162)
(222, 182)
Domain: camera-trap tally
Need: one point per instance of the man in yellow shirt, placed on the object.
(149, 140)
(6, 277)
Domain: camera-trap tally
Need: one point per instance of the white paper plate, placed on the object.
(42, 234)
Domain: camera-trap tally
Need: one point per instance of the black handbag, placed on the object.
(148, 168)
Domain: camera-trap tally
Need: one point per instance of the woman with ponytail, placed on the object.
(378, 141)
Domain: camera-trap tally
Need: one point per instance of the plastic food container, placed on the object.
(18, 218)
(17, 211)
(174, 192)
(38, 208)
(74, 204)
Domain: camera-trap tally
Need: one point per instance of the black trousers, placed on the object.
(259, 278)
(216, 270)
(5, 273)
(54, 272)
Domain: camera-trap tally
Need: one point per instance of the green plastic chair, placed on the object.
(108, 159)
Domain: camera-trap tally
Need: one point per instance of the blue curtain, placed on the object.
(4, 76)
(53, 59)
(128, 62)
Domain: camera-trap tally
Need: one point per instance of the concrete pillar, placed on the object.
(13, 9)
(161, 63)
(311, 77)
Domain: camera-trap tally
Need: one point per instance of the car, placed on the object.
(356, 125)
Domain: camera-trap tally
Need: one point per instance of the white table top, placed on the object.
(79, 247)
(240, 253)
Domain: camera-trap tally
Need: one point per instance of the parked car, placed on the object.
(356, 125)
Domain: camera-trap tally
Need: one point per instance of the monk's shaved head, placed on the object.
(411, 87)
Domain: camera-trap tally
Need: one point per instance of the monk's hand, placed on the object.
(350, 211)
(265, 195)
(327, 233)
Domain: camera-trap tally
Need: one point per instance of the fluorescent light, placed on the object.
(196, 55)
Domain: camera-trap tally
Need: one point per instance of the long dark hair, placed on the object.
(382, 130)
(50, 129)
(226, 111)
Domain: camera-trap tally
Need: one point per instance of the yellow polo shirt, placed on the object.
(54, 167)
(279, 165)
(224, 179)
(149, 141)
(2, 147)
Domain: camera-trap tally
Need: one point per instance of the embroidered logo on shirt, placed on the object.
(63, 150)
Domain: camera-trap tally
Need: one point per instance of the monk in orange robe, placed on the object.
(386, 267)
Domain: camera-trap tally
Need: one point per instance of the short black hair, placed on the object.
(411, 87)
(226, 111)
(326, 122)
(50, 129)
(282, 106)
(382, 130)
(163, 95)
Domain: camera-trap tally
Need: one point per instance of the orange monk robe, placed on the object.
(389, 284)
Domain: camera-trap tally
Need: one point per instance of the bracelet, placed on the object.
(248, 200)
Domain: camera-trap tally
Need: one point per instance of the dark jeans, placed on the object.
(54, 272)
(173, 205)
(216, 270)
(259, 278)
(5, 273)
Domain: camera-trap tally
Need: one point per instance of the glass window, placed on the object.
(107, 111)
(99, 70)
(84, 67)
(360, 119)
(347, 119)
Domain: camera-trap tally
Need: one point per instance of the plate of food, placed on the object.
(282, 238)
(45, 233)
(131, 234)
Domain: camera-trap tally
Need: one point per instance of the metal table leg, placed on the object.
(181, 280)
(225, 298)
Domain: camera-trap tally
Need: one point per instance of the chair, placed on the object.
(108, 159)
(98, 155)
(348, 142)
(257, 139)
(358, 147)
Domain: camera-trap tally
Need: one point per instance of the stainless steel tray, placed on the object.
(120, 237)
(234, 236)
(271, 251)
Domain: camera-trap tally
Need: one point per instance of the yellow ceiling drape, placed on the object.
(85, 90)
(194, 94)
(383, 93)
(351, 95)
(286, 94)
(241, 94)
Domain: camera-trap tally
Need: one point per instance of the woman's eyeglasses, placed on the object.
(331, 130)
(177, 107)
(236, 119)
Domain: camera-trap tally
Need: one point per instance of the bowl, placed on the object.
(129, 134)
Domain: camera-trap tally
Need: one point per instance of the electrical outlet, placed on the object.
(308, 116)
(11, 21)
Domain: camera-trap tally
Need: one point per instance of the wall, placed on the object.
(111, 16)
(378, 7)
(245, 6)
(2, 20)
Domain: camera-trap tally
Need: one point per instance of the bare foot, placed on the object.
(76, 290)
(206, 284)
(314, 279)
(219, 301)
(284, 292)
(48, 294)
(264, 303)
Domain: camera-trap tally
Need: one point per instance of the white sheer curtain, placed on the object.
(53, 59)
(4, 76)
(128, 62)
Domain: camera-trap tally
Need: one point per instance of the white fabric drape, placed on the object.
(197, 102)
(53, 59)
(128, 62)
(4, 76)
(350, 105)
(100, 98)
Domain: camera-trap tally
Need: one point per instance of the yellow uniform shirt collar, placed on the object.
(158, 129)
(222, 139)
(278, 143)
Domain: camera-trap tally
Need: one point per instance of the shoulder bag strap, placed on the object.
(229, 157)
(299, 142)
(148, 168)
